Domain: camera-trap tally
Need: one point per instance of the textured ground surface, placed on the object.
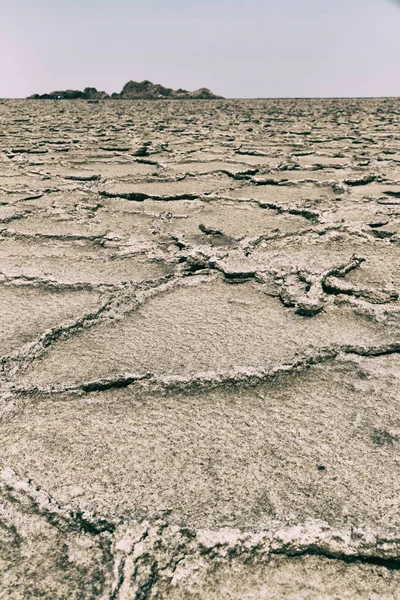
(200, 350)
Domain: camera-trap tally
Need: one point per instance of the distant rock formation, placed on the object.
(88, 93)
(146, 90)
(133, 90)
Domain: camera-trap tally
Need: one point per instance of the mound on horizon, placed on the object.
(133, 90)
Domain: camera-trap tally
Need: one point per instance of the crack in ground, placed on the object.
(146, 557)
(191, 383)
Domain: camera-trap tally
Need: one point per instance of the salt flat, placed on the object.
(200, 339)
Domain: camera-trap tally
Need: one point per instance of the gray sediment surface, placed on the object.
(200, 349)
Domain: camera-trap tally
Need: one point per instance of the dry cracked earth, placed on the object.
(200, 339)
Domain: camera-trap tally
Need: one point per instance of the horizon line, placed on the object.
(202, 99)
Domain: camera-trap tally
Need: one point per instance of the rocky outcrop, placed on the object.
(88, 93)
(133, 90)
(150, 91)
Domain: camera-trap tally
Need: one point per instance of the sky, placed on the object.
(237, 48)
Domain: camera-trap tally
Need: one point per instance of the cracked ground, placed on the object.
(200, 344)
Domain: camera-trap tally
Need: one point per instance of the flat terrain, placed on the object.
(200, 349)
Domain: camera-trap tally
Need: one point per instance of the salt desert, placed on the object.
(200, 339)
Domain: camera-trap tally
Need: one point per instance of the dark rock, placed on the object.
(133, 90)
(147, 90)
(87, 94)
(203, 94)
(93, 94)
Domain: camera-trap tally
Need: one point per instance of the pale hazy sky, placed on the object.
(237, 48)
